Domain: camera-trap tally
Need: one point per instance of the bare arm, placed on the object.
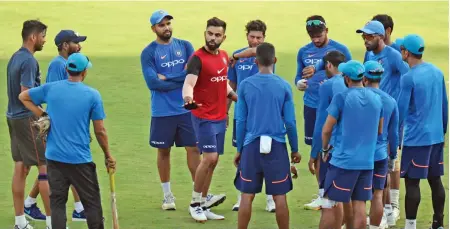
(102, 136)
(188, 87)
(25, 98)
(231, 94)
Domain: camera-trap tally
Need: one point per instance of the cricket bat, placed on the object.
(112, 187)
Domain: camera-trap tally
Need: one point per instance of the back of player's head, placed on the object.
(32, 27)
(373, 71)
(256, 25)
(216, 22)
(265, 54)
(315, 24)
(386, 20)
(352, 69)
(414, 44)
(77, 63)
(334, 57)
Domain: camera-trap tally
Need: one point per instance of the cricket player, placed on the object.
(68, 153)
(373, 34)
(332, 86)
(67, 42)
(388, 24)
(387, 142)
(23, 73)
(245, 67)
(359, 113)
(423, 109)
(309, 80)
(262, 152)
(205, 92)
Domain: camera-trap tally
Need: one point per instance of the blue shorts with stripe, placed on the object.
(421, 162)
(380, 171)
(272, 168)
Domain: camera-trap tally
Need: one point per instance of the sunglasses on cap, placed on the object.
(376, 72)
(315, 23)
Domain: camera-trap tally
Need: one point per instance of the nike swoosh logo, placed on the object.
(311, 55)
(162, 57)
(219, 71)
(27, 211)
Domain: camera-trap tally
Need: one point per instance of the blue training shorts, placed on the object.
(380, 171)
(421, 162)
(178, 129)
(210, 134)
(309, 116)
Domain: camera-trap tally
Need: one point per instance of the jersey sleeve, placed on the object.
(97, 111)
(241, 117)
(289, 119)
(346, 52)
(406, 86)
(336, 105)
(300, 66)
(38, 95)
(232, 76)
(444, 106)
(398, 63)
(194, 65)
(56, 72)
(28, 72)
(393, 129)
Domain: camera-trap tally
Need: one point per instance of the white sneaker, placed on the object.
(270, 207)
(169, 202)
(392, 217)
(384, 224)
(316, 204)
(214, 200)
(212, 216)
(238, 203)
(28, 226)
(198, 214)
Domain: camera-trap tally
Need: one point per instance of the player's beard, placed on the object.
(372, 46)
(38, 47)
(165, 36)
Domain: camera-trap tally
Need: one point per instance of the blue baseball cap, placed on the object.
(413, 43)
(372, 28)
(68, 36)
(373, 70)
(353, 69)
(78, 62)
(158, 16)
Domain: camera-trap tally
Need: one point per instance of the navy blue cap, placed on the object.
(372, 28)
(373, 70)
(68, 36)
(78, 62)
(353, 69)
(158, 16)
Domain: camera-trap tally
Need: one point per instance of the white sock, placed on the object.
(203, 201)
(196, 197)
(321, 192)
(269, 197)
(29, 201)
(388, 208)
(48, 221)
(373, 227)
(394, 197)
(410, 223)
(166, 188)
(78, 207)
(21, 221)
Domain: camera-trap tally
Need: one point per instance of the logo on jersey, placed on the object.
(245, 67)
(178, 53)
(380, 61)
(311, 61)
(219, 71)
(218, 79)
(225, 61)
(162, 57)
(311, 55)
(172, 63)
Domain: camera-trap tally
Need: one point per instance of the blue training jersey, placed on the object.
(423, 105)
(359, 112)
(390, 127)
(265, 107)
(70, 114)
(394, 68)
(169, 60)
(327, 90)
(57, 70)
(311, 55)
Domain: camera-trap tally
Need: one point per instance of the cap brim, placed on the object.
(79, 39)
(89, 65)
(367, 31)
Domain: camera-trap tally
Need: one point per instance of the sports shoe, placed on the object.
(34, 213)
(316, 204)
(383, 224)
(78, 217)
(270, 207)
(197, 214)
(210, 215)
(393, 216)
(28, 226)
(236, 206)
(169, 202)
(214, 200)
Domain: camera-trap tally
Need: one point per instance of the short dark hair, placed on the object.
(216, 22)
(373, 80)
(73, 73)
(334, 57)
(314, 29)
(385, 19)
(31, 27)
(265, 54)
(256, 25)
(417, 56)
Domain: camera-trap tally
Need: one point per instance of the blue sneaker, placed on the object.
(78, 216)
(34, 213)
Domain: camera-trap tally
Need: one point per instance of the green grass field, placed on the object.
(118, 31)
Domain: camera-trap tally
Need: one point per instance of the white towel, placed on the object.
(265, 144)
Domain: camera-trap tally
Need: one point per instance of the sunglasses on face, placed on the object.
(368, 37)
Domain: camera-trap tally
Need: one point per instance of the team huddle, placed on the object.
(368, 124)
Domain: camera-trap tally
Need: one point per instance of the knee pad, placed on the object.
(327, 204)
(42, 177)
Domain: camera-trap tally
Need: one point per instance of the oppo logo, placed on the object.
(245, 67)
(158, 143)
(172, 63)
(219, 79)
(209, 146)
(311, 61)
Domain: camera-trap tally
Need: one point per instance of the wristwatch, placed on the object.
(235, 58)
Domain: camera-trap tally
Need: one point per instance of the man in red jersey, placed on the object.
(206, 82)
